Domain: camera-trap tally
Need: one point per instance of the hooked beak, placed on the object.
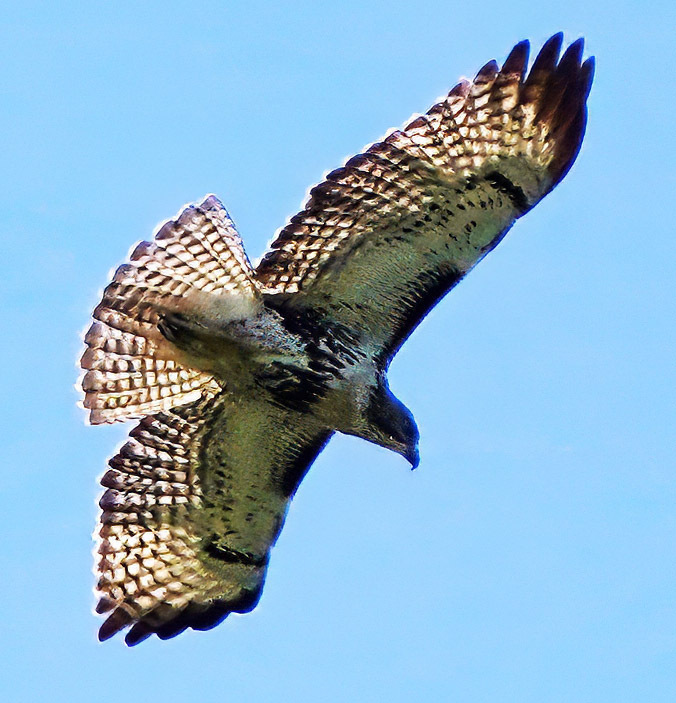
(412, 455)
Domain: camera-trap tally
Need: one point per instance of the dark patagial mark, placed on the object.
(514, 192)
(229, 555)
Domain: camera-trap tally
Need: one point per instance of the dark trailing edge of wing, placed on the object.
(197, 616)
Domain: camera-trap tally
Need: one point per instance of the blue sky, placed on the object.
(531, 556)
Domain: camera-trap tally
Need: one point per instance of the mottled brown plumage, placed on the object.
(241, 376)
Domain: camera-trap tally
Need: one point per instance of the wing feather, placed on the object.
(385, 236)
(194, 502)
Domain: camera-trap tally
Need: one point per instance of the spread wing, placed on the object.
(194, 502)
(383, 238)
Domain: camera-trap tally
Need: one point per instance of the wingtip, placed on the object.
(487, 72)
(517, 60)
(587, 71)
(211, 202)
(570, 61)
(104, 605)
(548, 54)
(460, 89)
(555, 42)
(166, 622)
(118, 620)
(139, 633)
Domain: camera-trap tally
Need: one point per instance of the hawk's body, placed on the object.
(241, 376)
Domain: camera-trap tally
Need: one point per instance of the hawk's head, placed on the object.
(390, 424)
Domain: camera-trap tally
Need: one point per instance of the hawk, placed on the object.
(240, 375)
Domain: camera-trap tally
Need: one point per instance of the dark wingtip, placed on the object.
(549, 54)
(571, 119)
(171, 629)
(487, 72)
(172, 623)
(211, 202)
(570, 61)
(138, 634)
(104, 605)
(587, 75)
(459, 89)
(209, 619)
(518, 59)
(553, 44)
(117, 621)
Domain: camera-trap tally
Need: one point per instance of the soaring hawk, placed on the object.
(240, 375)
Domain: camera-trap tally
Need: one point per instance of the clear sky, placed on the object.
(531, 557)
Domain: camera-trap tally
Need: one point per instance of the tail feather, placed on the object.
(131, 369)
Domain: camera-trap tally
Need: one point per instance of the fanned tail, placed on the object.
(131, 369)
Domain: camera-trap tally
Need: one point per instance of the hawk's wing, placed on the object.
(194, 502)
(384, 237)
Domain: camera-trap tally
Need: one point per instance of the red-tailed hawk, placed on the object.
(240, 375)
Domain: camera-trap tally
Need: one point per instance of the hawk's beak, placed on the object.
(412, 455)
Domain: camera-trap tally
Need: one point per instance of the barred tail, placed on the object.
(131, 369)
